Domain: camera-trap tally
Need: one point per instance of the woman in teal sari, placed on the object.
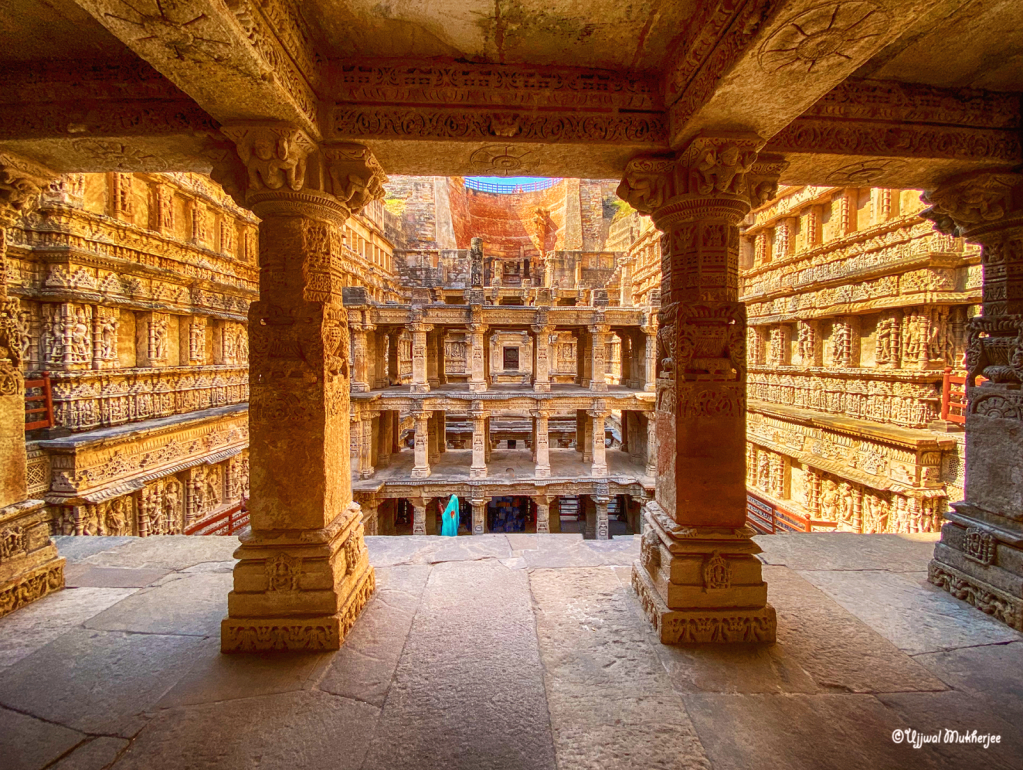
(449, 519)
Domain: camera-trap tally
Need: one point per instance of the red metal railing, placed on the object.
(766, 518)
(953, 397)
(43, 400)
(506, 189)
(227, 522)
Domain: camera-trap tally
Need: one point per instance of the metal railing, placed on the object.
(43, 401)
(226, 522)
(953, 397)
(505, 189)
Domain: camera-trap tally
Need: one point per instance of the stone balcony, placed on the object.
(506, 651)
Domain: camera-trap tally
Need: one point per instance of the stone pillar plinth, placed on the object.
(420, 381)
(542, 445)
(704, 583)
(303, 574)
(421, 468)
(599, 414)
(542, 358)
(477, 353)
(980, 556)
(30, 566)
(479, 516)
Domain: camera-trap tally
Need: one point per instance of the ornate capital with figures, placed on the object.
(21, 181)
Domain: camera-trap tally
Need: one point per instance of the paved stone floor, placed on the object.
(506, 651)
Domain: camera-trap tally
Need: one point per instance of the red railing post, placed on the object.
(946, 388)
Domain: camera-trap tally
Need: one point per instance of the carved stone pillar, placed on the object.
(433, 438)
(543, 514)
(980, 555)
(30, 566)
(370, 523)
(303, 574)
(649, 329)
(360, 362)
(434, 357)
(393, 373)
(421, 469)
(366, 469)
(542, 358)
(584, 357)
(651, 444)
(603, 525)
(598, 351)
(419, 514)
(479, 516)
(480, 439)
(542, 444)
(599, 414)
(477, 352)
(698, 577)
(420, 380)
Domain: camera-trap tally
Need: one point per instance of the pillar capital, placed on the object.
(975, 204)
(21, 181)
(287, 173)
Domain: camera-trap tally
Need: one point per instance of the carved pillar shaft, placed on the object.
(480, 439)
(421, 469)
(477, 356)
(360, 354)
(541, 358)
(603, 531)
(419, 516)
(420, 381)
(651, 444)
(543, 515)
(366, 469)
(599, 466)
(541, 446)
(598, 356)
(698, 576)
(479, 516)
(303, 575)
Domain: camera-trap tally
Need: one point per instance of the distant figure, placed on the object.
(449, 519)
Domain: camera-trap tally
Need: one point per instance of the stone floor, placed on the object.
(506, 651)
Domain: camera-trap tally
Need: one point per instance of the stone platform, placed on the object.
(505, 651)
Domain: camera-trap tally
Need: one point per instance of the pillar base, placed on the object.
(367, 473)
(33, 567)
(701, 585)
(598, 387)
(420, 388)
(420, 473)
(298, 590)
(477, 473)
(541, 387)
(598, 470)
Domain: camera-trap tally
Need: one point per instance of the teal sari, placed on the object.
(449, 519)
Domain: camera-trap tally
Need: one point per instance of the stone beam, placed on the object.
(881, 133)
(85, 117)
(239, 61)
(755, 65)
(463, 118)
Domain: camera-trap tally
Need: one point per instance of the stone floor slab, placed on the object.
(468, 692)
(834, 647)
(38, 624)
(915, 615)
(364, 666)
(172, 552)
(27, 743)
(611, 704)
(93, 754)
(89, 576)
(75, 548)
(181, 604)
(98, 681)
(287, 731)
(848, 551)
(993, 674)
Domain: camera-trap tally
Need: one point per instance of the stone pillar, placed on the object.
(477, 352)
(419, 505)
(433, 436)
(584, 357)
(434, 356)
(393, 373)
(420, 382)
(303, 574)
(480, 439)
(479, 516)
(543, 514)
(542, 358)
(698, 577)
(421, 469)
(366, 469)
(651, 444)
(980, 557)
(599, 414)
(649, 330)
(603, 531)
(541, 447)
(360, 356)
(370, 523)
(598, 353)
(355, 441)
(30, 566)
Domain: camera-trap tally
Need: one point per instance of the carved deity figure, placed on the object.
(118, 517)
(764, 471)
(829, 502)
(271, 164)
(723, 170)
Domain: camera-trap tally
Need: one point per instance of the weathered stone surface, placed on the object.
(76, 549)
(172, 552)
(611, 704)
(81, 575)
(802, 732)
(916, 616)
(98, 681)
(181, 604)
(38, 624)
(836, 649)
(27, 743)
(388, 551)
(848, 551)
(95, 754)
(364, 666)
(295, 729)
(992, 674)
(471, 708)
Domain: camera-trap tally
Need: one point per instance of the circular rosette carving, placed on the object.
(500, 160)
(822, 36)
(865, 173)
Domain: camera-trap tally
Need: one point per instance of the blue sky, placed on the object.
(507, 181)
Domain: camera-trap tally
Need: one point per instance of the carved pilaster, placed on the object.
(541, 446)
(478, 469)
(304, 574)
(697, 200)
(421, 469)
